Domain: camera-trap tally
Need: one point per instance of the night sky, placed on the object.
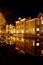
(14, 9)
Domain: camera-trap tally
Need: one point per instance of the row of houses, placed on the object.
(27, 34)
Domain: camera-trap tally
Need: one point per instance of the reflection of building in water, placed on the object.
(27, 33)
(29, 27)
(2, 23)
(10, 34)
(2, 27)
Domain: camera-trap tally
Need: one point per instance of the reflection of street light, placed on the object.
(37, 44)
(37, 29)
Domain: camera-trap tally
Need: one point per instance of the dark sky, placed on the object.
(13, 9)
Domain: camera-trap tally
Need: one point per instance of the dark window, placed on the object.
(22, 23)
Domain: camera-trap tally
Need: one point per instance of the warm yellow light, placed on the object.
(41, 51)
(10, 26)
(14, 38)
(41, 21)
(33, 30)
(0, 31)
(33, 43)
(23, 19)
(17, 21)
(26, 31)
(14, 31)
(11, 37)
(17, 38)
(22, 39)
(22, 31)
(17, 31)
(41, 17)
(19, 18)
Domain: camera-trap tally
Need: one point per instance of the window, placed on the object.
(41, 21)
(41, 51)
(37, 29)
(33, 30)
(41, 17)
(33, 43)
(41, 29)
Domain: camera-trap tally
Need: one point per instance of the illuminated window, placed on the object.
(17, 38)
(37, 44)
(37, 29)
(14, 38)
(22, 39)
(41, 51)
(41, 21)
(22, 31)
(41, 17)
(33, 30)
(0, 31)
(33, 43)
(17, 31)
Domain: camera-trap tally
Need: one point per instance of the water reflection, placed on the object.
(24, 45)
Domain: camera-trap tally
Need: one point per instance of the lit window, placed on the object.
(41, 21)
(37, 29)
(22, 39)
(17, 31)
(37, 44)
(33, 43)
(41, 51)
(14, 38)
(41, 17)
(22, 31)
(17, 38)
(14, 31)
(0, 31)
(33, 30)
